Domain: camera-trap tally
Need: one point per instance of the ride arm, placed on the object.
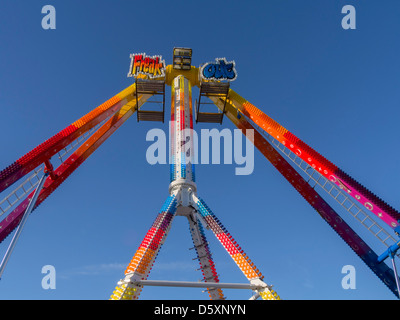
(142, 262)
(50, 147)
(251, 272)
(326, 168)
(8, 224)
(204, 256)
(353, 240)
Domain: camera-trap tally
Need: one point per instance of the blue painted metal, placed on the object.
(390, 252)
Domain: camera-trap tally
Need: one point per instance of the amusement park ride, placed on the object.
(32, 178)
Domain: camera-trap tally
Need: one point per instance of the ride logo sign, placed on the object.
(152, 66)
(219, 70)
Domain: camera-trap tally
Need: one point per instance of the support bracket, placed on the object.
(165, 283)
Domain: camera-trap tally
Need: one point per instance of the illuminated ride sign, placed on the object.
(152, 66)
(219, 70)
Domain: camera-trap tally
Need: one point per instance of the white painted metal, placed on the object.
(165, 283)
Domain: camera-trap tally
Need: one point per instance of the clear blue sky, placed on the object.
(336, 89)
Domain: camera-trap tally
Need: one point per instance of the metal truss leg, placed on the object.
(392, 256)
(204, 256)
(21, 225)
(142, 262)
(232, 247)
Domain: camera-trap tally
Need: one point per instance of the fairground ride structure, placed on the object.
(28, 181)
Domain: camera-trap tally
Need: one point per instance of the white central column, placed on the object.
(182, 145)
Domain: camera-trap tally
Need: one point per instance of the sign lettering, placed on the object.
(152, 66)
